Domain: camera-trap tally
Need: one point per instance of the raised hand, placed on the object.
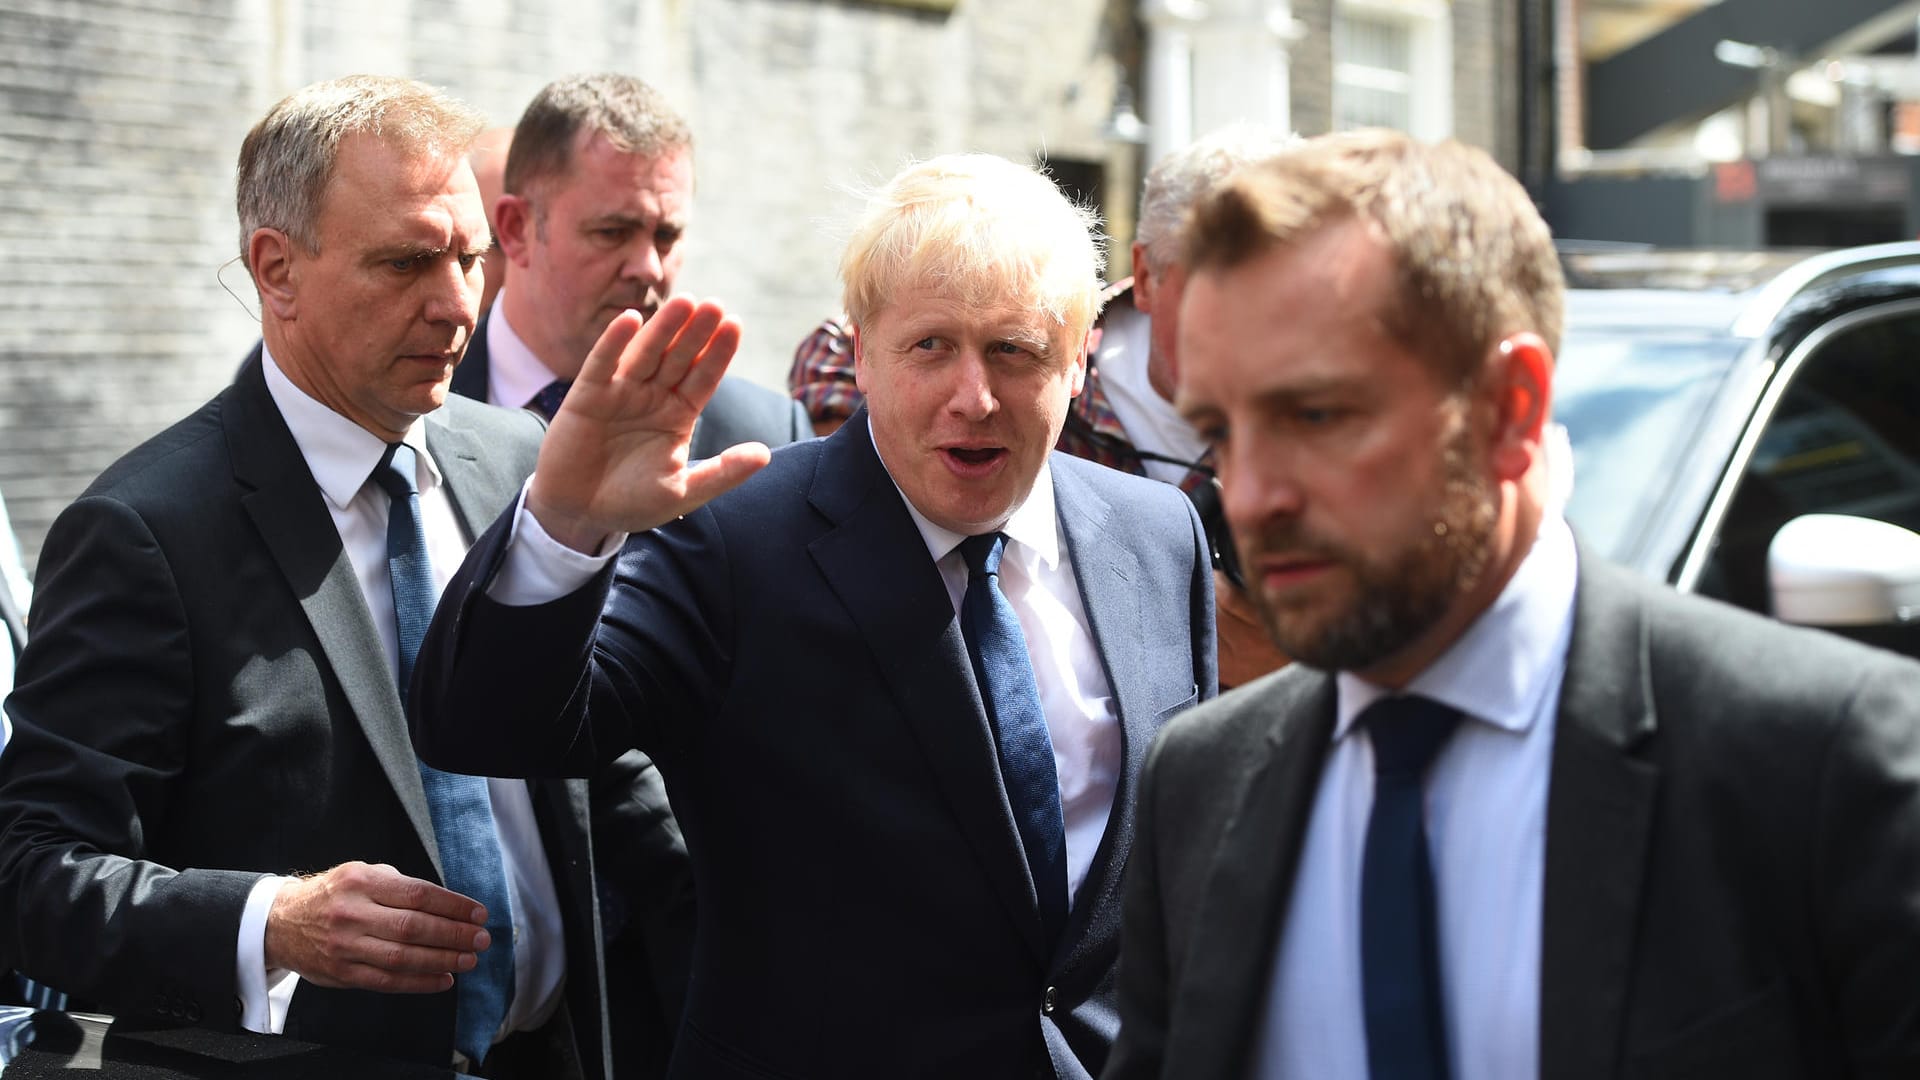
(370, 927)
(615, 458)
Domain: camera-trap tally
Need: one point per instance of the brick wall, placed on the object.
(120, 120)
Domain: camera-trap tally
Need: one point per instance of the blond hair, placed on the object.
(984, 228)
(287, 160)
(1474, 260)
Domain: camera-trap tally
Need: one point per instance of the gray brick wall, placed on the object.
(120, 120)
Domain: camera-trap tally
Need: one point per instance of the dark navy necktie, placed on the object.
(462, 813)
(1399, 937)
(547, 401)
(1005, 674)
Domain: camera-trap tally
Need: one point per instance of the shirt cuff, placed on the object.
(264, 994)
(537, 568)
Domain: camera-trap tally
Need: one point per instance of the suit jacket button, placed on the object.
(1046, 1003)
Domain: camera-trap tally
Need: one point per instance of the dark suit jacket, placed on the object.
(1732, 862)
(790, 655)
(206, 700)
(738, 412)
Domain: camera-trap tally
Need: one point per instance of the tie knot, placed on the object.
(983, 552)
(1407, 731)
(397, 472)
(547, 401)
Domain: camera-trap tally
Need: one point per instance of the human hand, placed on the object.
(365, 927)
(615, 457)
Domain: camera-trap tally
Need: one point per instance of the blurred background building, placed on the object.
(122, 306)
(1735, 123)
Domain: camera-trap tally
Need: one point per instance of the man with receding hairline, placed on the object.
(1513, 812)
(210, 812)
(598, 197)
(900, 680)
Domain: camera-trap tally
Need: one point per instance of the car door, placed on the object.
(1837, 432)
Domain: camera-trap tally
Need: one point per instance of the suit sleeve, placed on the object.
(1142, 978)
(1866, 873)
(633, 658)
(102, 713)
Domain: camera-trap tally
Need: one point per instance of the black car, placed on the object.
(1747, 427)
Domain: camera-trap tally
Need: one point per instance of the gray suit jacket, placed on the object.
(738, 412)
(206, 700)
(1732, 867)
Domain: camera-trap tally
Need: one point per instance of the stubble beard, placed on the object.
(1398, 597)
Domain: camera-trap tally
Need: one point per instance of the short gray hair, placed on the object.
(288, 158)
(635, 118)
(1180, 179)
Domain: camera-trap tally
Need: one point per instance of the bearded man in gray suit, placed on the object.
(1515, 812)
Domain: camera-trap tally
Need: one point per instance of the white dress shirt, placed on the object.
(1486, 811)
(1151, 422)
(1037, 577)
(515, 376)
(342, 456)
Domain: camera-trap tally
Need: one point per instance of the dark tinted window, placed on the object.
(1845, 439)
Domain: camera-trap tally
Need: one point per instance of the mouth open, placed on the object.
(974, 460)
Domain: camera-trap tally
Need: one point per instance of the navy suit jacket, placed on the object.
(790, 656)
(738, 412)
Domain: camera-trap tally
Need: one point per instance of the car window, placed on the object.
(1844, 439)
(1633, 404)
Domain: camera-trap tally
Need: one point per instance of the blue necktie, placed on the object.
(547, 401)
(1005, 673)
(462, 813)
(1399, 939)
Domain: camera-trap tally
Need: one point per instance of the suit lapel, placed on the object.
(876, 561)
(1107, 573)
(290, 512)
(1599, 814)
(1222, 986)
(478, 493)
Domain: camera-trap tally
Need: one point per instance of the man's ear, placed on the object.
(513, 228)
(270, 257)
(1078, 372)
(859, 359)
(1520, 375)
(1142, 280)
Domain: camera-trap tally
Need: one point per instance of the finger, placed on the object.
(640, 360)
(604, 358)
(699, 383)
(396, 890)
(417, 928)
(689, 343)
(708, 480)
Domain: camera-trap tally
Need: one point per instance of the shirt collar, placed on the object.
(340, 453)
(514, 374)
(1502, 666)
(1032, 526)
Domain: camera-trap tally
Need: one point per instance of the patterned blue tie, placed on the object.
(1005, 673)
(1399, 938)
(462, 813)
(547, 401)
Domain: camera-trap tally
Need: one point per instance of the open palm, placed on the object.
(615, 459)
